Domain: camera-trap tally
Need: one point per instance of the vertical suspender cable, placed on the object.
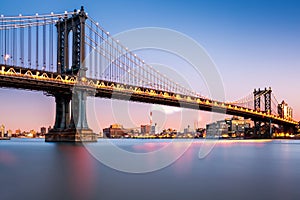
(29, 46)
(95, 53)
(90, 53)
(102, 56)
(5, 39)
(140, 73)
(22, 46)
(51, 45)
(37, 44)
(8, 45)
(14, 46)
(44, 45)
(2, 39)
(110, 58)
(117, 64)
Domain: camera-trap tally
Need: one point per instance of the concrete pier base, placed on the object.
(72, 135)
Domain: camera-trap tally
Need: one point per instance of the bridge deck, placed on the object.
(51, 83)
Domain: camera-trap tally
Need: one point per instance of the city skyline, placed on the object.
(265, 41)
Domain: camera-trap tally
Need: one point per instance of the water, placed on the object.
(33, 169)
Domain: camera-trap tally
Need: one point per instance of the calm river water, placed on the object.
(33, 169)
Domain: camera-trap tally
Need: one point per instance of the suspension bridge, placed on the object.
(48, 53)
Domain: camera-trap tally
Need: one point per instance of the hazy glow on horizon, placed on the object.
(255, 44)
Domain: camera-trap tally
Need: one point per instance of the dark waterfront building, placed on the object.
(43, 130)
(228, 128)
(145, 129)
(115, 131)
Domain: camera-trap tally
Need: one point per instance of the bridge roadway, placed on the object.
(51, 83)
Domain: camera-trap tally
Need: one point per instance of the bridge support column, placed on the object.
(71, 127)
(79, 109)
(62, 117)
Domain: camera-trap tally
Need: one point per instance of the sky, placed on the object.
(253, 43)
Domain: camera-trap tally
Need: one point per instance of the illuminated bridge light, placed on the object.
(102, 84)
(152, 92)
(138, 90)
(166, 95)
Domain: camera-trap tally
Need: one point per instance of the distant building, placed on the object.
(217, 129)
(9, 133)
(43, 130)
(200, 132)
(187, 130)
(18, 131)
(234, 127)
(115, 131)
(237, 126)
(100, 134)
(145, 129)
(49, 128)
(169, 133)
(2, 130)
(153, 129)
(31, 134)
(285, 111)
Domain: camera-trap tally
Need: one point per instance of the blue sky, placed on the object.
(254, 43)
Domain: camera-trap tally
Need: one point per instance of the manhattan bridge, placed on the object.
(47, 53)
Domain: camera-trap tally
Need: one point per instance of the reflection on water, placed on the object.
(33, 169)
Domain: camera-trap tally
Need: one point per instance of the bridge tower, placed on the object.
(266, 95)
(71, 121)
